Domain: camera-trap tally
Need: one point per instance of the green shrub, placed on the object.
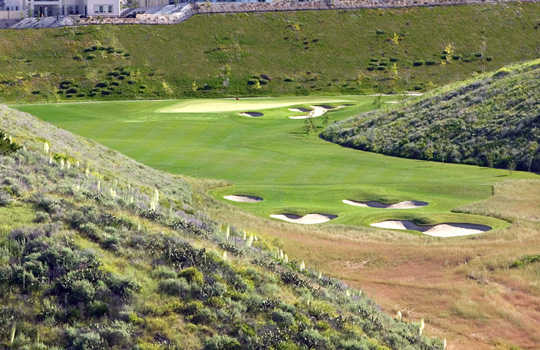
(312, 339)
(418, 63)
(176, 287)
(221, 342)
(282, 318)
(163, 271)
(83, 339)
(82, 291)
(192, 274)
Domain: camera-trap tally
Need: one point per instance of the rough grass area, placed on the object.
(99, 259)
(280, 160)
(297, 53)
(491, 121)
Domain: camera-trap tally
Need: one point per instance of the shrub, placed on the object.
(90, 57)
(192, 274)
(203, 316)
(176, 287)
(5, 199)
(83, 339)
(282, 318)
(418, 63)
(311, 338)
(82, 291)
(221, 342)
(163, 271)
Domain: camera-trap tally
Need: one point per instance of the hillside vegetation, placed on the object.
(297, 53)
(491, 121)
(101, 252)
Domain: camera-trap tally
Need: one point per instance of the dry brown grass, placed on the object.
(462, 287)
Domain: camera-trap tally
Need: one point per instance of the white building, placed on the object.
(48, 8)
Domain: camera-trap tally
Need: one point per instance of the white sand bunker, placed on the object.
(439, 230)
(243, 198)
(375, 204)
(316, 111)
(300, 110)
(252, 114)
(308, 219)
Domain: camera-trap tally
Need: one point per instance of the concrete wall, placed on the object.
(10, 15)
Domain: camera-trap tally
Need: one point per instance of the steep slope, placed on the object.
(493, 121)
(309, 52)
(99, 252)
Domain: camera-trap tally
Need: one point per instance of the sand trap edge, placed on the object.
(439, 230)
(243, 198)
(374, 204)
(308, 219)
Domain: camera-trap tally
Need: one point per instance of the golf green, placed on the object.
(273, 157)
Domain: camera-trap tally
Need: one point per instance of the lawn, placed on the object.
(274, 158)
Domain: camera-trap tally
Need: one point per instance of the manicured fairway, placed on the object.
(271, 157)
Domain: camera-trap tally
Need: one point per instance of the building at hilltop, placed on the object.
(54, 8)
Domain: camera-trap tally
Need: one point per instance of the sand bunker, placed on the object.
(300, 109)
(243, 104)
(375, 204)
(316, 111)
(252, 114)
(243, 198)
(439, 230)
(308, 219)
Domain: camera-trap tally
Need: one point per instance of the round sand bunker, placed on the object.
(375, 204)
(439, 230)
(308, 219)
(252, 114)
(243, 198)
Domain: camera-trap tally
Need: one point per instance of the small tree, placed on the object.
(533, 146)
(511, 166)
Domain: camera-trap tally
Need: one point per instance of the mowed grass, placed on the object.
(272, 157)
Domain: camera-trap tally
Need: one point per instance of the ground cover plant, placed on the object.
(491, 121)
(104, 257)
(280, 160)
(298, 53)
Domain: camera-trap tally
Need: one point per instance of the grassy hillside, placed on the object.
(296, 53)
(100, 252)
(490, 121)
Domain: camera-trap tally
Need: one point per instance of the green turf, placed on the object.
(273, 158)
(306, 52)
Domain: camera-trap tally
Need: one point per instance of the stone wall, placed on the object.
(231, 7)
